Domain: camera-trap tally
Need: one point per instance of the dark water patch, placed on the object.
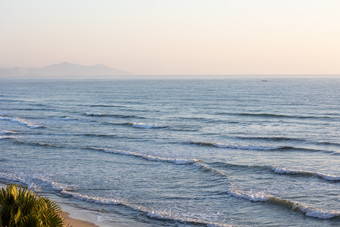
(207, 120)
(328, 144)
(27, 109)
(275, 138)
(112, 115)
(12, 100)
(180, 129)
(271, 115)
(38, 144)
(102, 105)
(98, 135)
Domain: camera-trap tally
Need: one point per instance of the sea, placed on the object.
(178, 151)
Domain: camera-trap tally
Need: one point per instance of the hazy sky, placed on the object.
(174, 36)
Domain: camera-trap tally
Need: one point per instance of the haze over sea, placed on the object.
(244, 151)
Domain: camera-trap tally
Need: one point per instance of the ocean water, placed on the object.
(178, 152)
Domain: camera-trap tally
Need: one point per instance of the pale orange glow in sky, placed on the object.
(153, 37)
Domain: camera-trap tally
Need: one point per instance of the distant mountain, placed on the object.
(63, 70)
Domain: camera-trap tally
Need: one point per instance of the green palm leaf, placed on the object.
(20, 207)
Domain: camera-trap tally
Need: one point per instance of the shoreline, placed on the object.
(69, 221)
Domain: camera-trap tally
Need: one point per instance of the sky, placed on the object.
(174, 37)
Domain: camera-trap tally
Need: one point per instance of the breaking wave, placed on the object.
(145, 156)
(278, 170)
(262, 197)
(306, 173)
(22, 122)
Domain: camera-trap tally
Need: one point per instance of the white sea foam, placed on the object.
(255, 197)
(325, 176)
(146, 156)
(22, 122)
(146, 126)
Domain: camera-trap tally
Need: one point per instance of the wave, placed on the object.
(145, 126)
(98, 135)
(111, 115)
(329, 143)
(197, 162)
(275, 138)
(36, 144)
(31, 143)
(278, 170)
(306, 173)
(145, 156)
(11, 100)
(207, 168)
(8, 132)
(29, 109)
(262, 197)
(102, 105)
(272, 115)
(22, 122)
(237, 147)
(260, 148)
(7, 137)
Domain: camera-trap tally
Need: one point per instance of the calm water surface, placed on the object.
(152, 152)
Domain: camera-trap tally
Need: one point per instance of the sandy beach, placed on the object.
(76, 222)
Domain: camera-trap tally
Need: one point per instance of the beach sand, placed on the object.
(76, 222)
(71, 221)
